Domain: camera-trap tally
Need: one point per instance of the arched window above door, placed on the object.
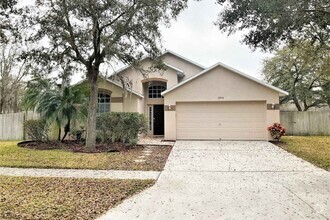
(155, 90)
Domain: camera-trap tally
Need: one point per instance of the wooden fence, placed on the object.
(306, 123)
(11, 125)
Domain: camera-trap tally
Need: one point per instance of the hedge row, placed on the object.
(111, 127)
(120, 126)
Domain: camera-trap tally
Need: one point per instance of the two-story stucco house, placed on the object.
(189, 101)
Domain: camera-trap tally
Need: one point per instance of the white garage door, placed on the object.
(221, 120)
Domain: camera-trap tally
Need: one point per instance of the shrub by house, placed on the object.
(120, 127)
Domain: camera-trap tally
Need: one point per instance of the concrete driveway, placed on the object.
(231, 180)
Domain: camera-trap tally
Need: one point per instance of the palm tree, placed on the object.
(35, 87)
(62, 106)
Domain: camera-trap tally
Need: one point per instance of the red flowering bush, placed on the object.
(276, 131)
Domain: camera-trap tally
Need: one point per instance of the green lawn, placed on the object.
(63, 198)
(13, 156)
(315, 149)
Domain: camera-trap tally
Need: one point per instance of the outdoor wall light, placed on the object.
(273, 105)
(169, 107)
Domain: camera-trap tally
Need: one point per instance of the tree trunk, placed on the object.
(1, 105)
(2, 95)
(67, 129)
(296, 102)
(306, 107)
(2, 99)
(64, 136)
(59, 133)
(92, 110)
(293, 93)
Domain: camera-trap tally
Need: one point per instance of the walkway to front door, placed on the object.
(231, 180)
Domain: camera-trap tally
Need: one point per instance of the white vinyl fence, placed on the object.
(306, 123)
(11, 125)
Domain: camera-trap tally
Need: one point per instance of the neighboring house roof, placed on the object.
(179, 71)
(282, 92)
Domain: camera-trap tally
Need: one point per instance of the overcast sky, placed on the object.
(195, 36)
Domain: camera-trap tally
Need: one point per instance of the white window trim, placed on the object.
(106, 93)
(150, 118)
(161, 97)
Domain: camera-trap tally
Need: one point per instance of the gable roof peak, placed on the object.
(219, 64)
(183, 58)
(168, 65)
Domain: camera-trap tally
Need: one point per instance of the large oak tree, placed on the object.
(6, 8)
(269, 23)
(303, 71)
(12, 75)
(94, 32)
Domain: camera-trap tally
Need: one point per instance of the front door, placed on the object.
(158, 119)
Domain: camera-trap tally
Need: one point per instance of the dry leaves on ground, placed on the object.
(63, 198)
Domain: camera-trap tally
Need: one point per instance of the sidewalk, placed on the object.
(79, 173)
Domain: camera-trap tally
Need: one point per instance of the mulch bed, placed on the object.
(76, 146)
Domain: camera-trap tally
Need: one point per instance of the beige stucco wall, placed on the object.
(131, 102)
(170, 125)
(272, 117)
(139, 81)
(136, 77)
(140, 104)
(188, 68)
(139, 84)
(170, 75)
(219, 85)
